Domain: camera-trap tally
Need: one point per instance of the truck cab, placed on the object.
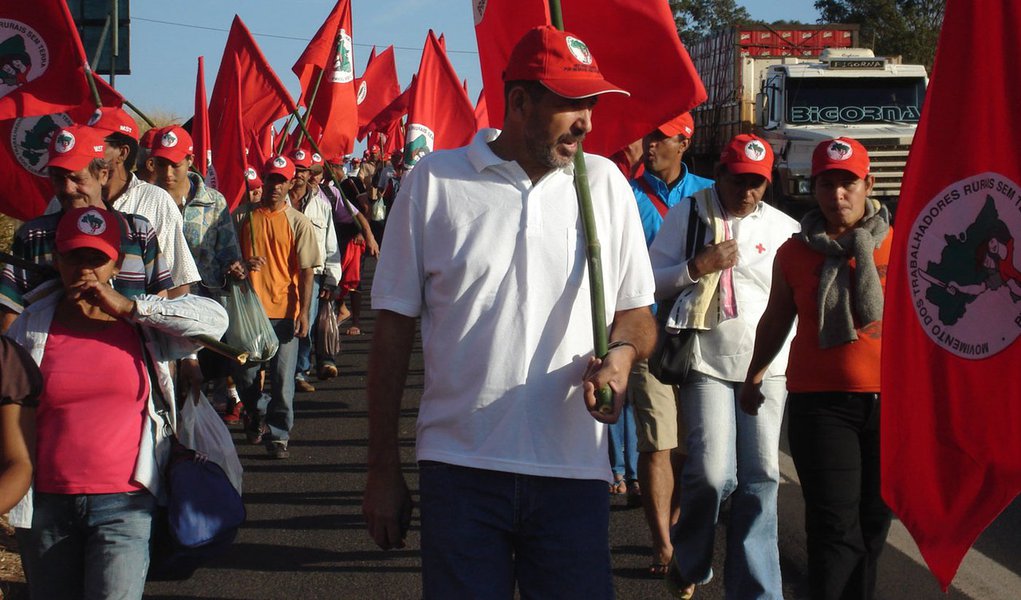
(845, 92)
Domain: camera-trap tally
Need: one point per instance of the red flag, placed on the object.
(394, 135)
(247, 96)
(377, 88)
(42, 62)
(951, 409)
(481, 112)
(24, 152)
(660, 89)
(440, 115)
(334, 109)
(393, 111)
(200, 122)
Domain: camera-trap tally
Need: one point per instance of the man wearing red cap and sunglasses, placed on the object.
(511, 449)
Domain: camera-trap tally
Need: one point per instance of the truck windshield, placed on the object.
(816, 100)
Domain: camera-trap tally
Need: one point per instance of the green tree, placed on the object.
(909, 28)
(696, 18)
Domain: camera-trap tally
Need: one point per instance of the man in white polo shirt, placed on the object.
(512, 453)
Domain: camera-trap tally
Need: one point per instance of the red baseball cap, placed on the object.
(114, 120)
(89, 227)
(560, 61)
(172, 143)
(681, 124)
(278, 165)
(147, 138)
(747, 153)
(302, 159)
(74, 147)
(841, 153)
(252, 176)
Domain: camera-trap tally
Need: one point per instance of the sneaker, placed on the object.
(278, 449)
(302, 385)
(327, 370)
(233, 416)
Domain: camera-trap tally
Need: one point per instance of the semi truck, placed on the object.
(796, 86)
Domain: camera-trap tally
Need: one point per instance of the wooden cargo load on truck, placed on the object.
(730, 62)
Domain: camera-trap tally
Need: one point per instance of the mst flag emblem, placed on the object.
(23, 55)
(579, 50)
(420, 142)
(91, 223)
(755, 150)
(343, 69)
(962, 274)
(30, 140)
(839, 150)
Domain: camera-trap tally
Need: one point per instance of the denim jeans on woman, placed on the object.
(88, 545)
(624, 445)
(736, 455)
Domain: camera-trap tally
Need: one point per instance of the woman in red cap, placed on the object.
(101, 423)
(831, 277)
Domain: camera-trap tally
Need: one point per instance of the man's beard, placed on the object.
(545, 152)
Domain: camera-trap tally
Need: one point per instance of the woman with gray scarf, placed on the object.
(831, 277)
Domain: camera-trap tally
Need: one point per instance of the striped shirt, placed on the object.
(143, 270)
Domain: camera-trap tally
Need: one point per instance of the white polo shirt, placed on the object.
(496, 268)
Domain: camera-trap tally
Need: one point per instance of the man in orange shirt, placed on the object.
(280, 250)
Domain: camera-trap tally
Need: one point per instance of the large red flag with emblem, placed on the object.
(653, 66)
(245, 83)
(440, 114)
(326, 69)
(42, 62)
(24, 153)
(951, 403)
(377, 88)
(393, 111)
(200, 123)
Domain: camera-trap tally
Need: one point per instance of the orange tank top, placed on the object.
(851, 367)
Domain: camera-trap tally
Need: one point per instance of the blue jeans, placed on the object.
(305, 344)
(482, 531)
(278, 413)
(736, 455)
(624, 445)
(88, 546)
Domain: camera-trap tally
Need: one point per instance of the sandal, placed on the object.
(658, 570)
(634, 494)
(618, 487)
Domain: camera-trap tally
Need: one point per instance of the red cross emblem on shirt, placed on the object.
(760, 248)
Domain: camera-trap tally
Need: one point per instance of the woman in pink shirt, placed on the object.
(100, 440)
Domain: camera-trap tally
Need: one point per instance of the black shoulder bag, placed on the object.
(670, 361)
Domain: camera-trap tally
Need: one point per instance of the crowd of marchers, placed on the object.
(485, 252)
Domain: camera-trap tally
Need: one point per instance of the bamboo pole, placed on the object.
(600, 336)
(329, 169)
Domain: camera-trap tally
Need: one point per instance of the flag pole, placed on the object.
(604, 395)
(326, 166)
(311, 103)
(91, 79)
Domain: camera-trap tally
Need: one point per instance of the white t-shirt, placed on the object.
(496, 268)
(726, 350)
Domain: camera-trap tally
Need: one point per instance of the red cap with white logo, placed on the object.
(841, 153)
(302, 159)
(681, 124)
(747, 153)
(89, 227)
(560, 61)
(114, 120)
(172, 143)
(278, 165)
(74, 147)
(252, 177)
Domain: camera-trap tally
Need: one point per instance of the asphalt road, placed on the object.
(305, 538)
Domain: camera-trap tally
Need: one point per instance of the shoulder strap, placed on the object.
(657, 201)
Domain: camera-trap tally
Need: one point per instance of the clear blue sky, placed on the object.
(168, 37)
